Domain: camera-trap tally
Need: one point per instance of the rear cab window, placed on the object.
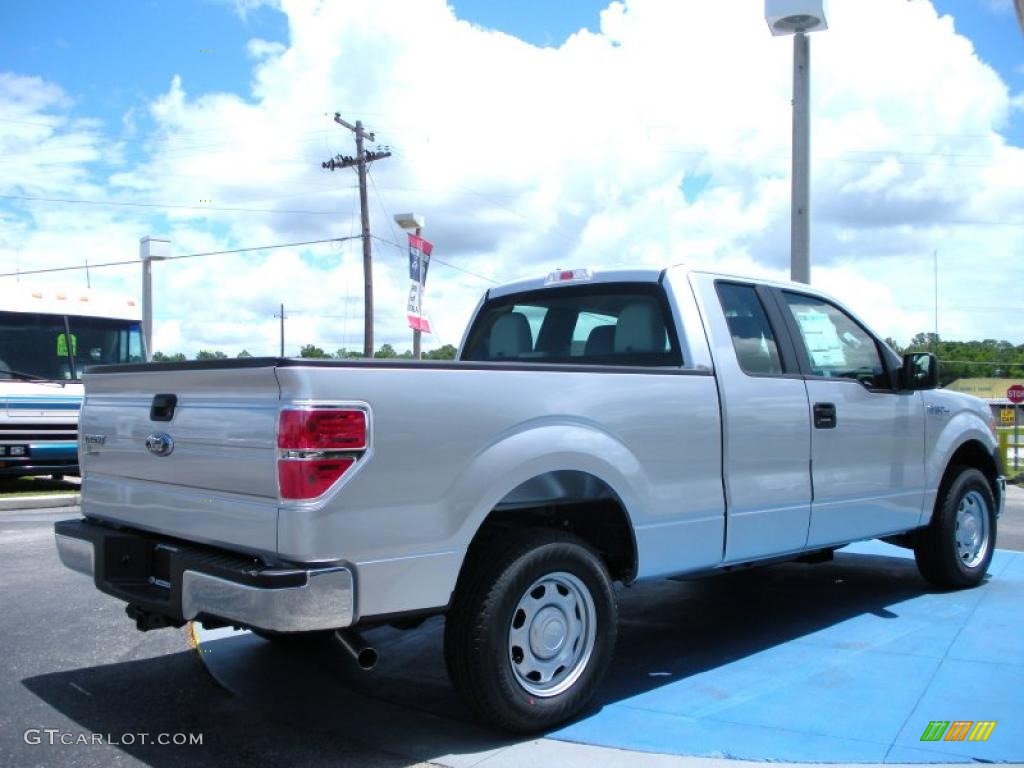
(622, 324)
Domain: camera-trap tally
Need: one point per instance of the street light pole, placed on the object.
(150, 249)
(797, 18)
(412, 222)
(417, 334)
(800, 227)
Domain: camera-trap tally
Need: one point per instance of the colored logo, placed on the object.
(958, 730)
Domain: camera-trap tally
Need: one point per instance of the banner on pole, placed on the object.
(419, 262)
(419, 258)
(415, 299)
(415, 309)
(419, 323)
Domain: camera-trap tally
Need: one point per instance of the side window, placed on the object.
(752, 336)
(837, 347)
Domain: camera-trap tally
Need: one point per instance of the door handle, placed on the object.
(825, 415)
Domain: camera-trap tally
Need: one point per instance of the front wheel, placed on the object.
(955, 550)
(531, 630)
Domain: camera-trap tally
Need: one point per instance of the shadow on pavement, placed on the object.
(670, 630)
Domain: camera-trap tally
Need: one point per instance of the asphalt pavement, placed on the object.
(74, 664)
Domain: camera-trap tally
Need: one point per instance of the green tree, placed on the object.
(205, 354)
(988, 358)
(348, 354)
(312, 351)
(160, 357)
(386, 351)
(244, 353)
(447, 352)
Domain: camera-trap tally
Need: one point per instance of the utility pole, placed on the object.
(360, 161)
(282, 329)
(935, 338)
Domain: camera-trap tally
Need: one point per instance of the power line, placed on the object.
(179, 256)
(435, 260)
(171, 206)
(996, 364)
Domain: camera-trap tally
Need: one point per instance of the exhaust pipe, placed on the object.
(356, 647)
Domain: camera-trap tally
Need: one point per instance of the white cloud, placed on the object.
(524, 159)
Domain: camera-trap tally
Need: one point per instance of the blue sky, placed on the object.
(177, 102)
(115, 55)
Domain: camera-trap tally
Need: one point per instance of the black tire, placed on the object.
(945, 550)
(568, 582)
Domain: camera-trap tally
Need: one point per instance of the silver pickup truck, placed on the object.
(596, 427)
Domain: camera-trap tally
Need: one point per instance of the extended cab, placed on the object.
(596, 427)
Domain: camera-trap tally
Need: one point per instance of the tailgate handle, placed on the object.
(163, 407)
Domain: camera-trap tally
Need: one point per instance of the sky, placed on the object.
(530, 135)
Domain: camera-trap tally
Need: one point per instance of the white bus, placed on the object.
(48, 336)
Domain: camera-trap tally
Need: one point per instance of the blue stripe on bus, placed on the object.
(44, 405)
(53, 450)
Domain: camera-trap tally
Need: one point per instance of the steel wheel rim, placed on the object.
(971, 535)
(551, 634)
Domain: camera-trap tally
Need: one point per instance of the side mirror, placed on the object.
(920, 371)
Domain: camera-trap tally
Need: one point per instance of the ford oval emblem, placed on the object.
(160, 444)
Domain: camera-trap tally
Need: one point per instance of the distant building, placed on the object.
(992, 391)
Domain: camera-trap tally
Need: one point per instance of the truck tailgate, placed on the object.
(218, 481)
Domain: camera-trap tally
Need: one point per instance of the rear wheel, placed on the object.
(955, 550)
(531, 630)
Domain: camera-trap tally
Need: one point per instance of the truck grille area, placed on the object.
(36, 432)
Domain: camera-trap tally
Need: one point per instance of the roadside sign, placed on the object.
(1015, 394)
(1006, 416)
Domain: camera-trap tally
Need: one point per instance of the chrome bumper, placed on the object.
(325, 602)
(1001, 501)
(282, 600)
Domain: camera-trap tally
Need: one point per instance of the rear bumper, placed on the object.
(180, 582)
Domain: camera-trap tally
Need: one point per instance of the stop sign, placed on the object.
(1015, 394)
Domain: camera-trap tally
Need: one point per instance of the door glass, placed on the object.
(837, 347)
(752, 336)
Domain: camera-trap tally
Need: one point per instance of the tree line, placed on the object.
(447, 352)
(989, 359)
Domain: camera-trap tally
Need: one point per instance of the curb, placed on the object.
(19, 503)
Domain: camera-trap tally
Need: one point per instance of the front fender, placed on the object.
(960, 429)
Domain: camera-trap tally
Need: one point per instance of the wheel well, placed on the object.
(973, 454)
(571, 501)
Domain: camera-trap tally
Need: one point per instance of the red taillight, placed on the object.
(309, 478)
(322, 430)
(316, 447)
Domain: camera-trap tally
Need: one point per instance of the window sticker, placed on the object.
(821, 338)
